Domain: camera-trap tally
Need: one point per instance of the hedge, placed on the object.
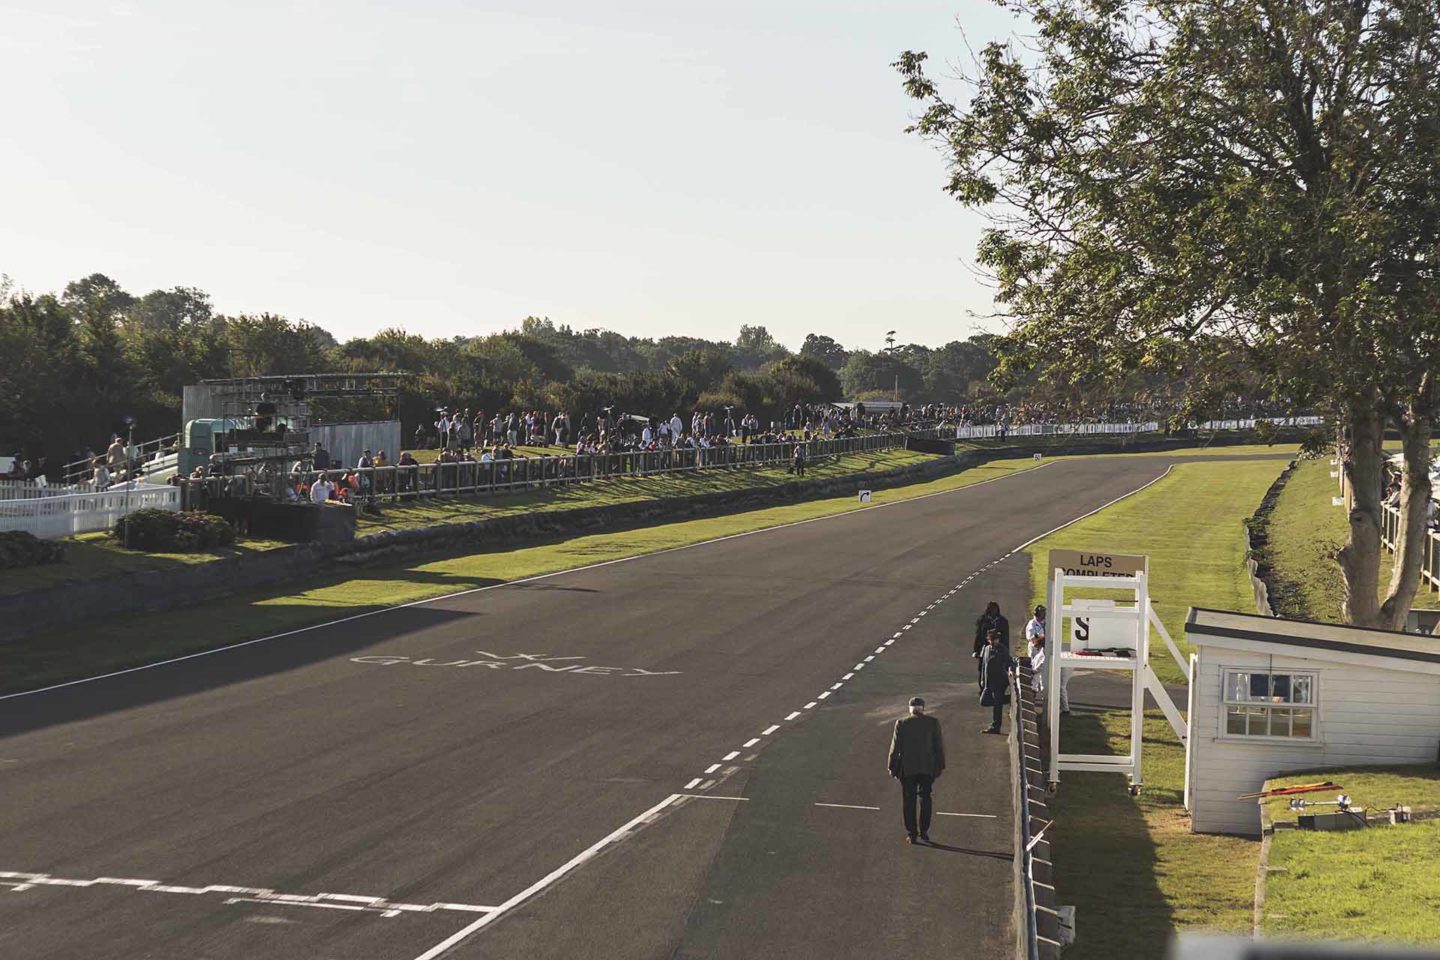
(162, 531)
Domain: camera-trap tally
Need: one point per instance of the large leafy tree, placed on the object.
(1239, 189)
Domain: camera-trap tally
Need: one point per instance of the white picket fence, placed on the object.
(66, 515)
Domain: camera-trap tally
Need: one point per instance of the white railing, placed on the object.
(28, 489)
(69, 514)
(988, 430)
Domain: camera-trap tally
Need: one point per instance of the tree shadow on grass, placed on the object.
(1105, 858)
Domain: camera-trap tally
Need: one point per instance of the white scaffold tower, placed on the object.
(1124, 623)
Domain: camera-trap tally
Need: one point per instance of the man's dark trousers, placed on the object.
(998, 708)
(918, 787)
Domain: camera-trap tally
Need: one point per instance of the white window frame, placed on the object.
(1313, 706)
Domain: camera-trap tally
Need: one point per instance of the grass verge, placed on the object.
(1375, 884)
(129, 641)
(1131, 866)
(96, 556)
(629, 490)
(1190, 523)
(1306, 530)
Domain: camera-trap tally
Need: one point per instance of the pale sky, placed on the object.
(651, 166)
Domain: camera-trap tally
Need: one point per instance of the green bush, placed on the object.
(19, 549)
(166, 532)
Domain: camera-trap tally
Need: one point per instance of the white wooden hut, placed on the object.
(1271, 696)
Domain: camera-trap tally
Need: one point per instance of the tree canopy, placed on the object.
(1220, 192)
(78, 363)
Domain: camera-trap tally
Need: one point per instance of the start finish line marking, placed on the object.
(20, 882)
(519, 661)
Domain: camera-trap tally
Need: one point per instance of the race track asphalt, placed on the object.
(363, 790)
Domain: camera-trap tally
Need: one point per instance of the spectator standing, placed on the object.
(917, 758)
(1035, 633)
(997, 670)
(322, 489)
(320, 457)
(463, 431)
(991, 619)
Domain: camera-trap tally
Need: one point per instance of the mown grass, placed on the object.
(1190, 523)
(1131, 866)
(94, 556)
(1380, 883)
(128, 641)
(1306, 530)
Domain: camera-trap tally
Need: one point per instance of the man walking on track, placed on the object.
(991, 619)
(917, 758)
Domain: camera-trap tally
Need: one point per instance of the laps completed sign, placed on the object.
(1089, 563)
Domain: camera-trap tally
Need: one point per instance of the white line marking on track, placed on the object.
(545, 881)
(836, 686)
(731, 755)
(511, 583)
(769, 730)
(712, 768)
(849, 675)
(747, 745)
(693, 784)
(983, 816)
(810, 705)
(707, 784)
(792, 716)
(823, 695)
(19, 882)
(872, 656)
(707, 796)
(846, 806)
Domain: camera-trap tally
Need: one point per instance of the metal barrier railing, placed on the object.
(141, 453)
(472, 478)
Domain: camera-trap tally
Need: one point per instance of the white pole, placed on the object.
(1137, 687)
(1053, 646)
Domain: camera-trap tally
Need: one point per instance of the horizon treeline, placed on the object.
(74, 365)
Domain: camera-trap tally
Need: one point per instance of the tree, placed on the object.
(824, 349)
(953, 372)
(802, 379)
(874, 373)
(754, 347)
(1246, 190)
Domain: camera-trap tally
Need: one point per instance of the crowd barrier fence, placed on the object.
(73, 513)
(470, 478)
